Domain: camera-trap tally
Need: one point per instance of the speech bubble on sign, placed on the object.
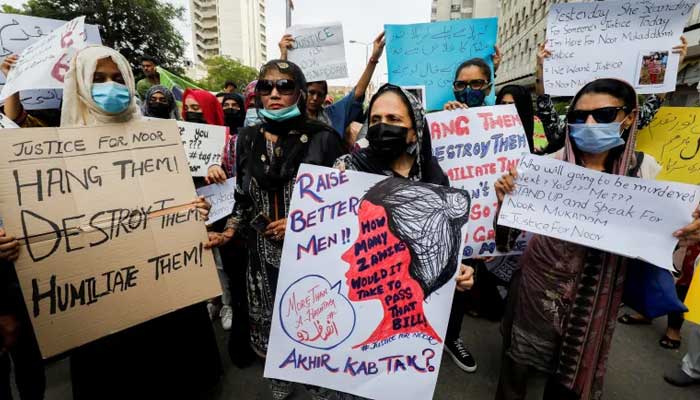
(314, 313)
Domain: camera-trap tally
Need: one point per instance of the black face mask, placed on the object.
(193, 116)
(234, 118)
(159, 110)
(387, 140)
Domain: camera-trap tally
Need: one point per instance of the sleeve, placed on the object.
(26, 120)
(142, 88)
(648, 110)
(554, 125)
(344, 111)
(243, 208)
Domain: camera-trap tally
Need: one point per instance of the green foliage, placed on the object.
(134, 27)
(223, 68)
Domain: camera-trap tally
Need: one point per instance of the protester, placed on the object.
(160, 103)
(342, 112)
(201, 107)
(251, 112)
(151, 76)
(688, 373)
(265, 178)
(230, 87)
(558, 280)
(521, 98)
(555, 126)
(99, 89)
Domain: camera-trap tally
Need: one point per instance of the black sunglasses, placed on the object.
(284, 86)
(476, 84)
(604, 115)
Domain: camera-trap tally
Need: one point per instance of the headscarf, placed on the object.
(250, 94)
(425, 171)
(79, 109)
(280, 128)
(210, 106)
(168, 96)
(523, 103)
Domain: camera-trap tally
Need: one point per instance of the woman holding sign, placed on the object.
(268, 156)
(565, 298)
(99, 89)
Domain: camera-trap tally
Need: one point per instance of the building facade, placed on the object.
(445, 10)
(233, 28)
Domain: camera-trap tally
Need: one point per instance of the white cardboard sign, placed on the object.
(220, 196)
(204, 145)
(319, 50)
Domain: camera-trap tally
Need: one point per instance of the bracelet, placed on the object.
(374, 60)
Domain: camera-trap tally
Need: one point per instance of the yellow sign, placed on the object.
(673, 138)
(692, 300)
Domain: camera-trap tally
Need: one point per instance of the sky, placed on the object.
(362, 21)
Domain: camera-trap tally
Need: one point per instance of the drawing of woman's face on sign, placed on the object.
(407, 248)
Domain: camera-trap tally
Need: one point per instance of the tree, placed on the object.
(134, 27)
(223, 68)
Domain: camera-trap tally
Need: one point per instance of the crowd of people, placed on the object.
(563, 301)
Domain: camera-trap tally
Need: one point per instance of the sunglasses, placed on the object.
(604, 115)
(283, 86)
(475, 84)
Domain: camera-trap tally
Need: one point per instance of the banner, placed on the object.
(628, 216)
(673, 139)
(632, 41)
(19, 31)
(429, 54)
(475, 147)
(204, 145)
(366, 283)
(109, 236)
(44, 64)
(221, 198)
(319, 50)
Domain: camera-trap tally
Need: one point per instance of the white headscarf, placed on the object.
(79, 109)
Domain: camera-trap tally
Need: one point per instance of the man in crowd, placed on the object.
(151, 76)
(230, 87)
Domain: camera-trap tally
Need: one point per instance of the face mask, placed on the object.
(112, 97)
(388, 140)
(251, 117)
(159, 110)
(233, 118)
(470, 97)
(282, 114)
(194, 116)
(596, 138)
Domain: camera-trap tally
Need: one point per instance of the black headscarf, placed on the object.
(148, 109)
(234, 118)
(523, 103)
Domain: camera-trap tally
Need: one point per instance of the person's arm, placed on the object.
(554, 126)
(542, 53)
(496, 58)
(378, 48)
(13, 106)
(648, 110)
(682, 51)
(285, 44)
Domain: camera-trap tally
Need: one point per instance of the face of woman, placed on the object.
(158, 97)
(192, 105)
(376, 258)
(231, 104)
(507, 99)
(471, 73)
(106, 70)
(276, 100)
(594, 101)
(390, 109)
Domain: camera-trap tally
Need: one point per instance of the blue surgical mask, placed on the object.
(596, 138)
(282, 114)
(112, 97)
(251, 117)
(471, 97)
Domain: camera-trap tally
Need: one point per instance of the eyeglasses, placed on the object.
(604, 115)
(476, 84)
(284, 86)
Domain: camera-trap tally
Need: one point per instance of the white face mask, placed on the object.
(251, 117)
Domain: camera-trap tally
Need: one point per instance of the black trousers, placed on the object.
(675, 320)
(30, 378)
(513, 380)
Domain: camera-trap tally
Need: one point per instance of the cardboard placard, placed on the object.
(109, 236)
(204, 145)
(221, 198)
(319, 50)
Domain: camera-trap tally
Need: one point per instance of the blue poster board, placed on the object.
(429, 54)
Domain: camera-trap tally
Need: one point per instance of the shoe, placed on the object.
(679, 378)
(226, 315)
(460, 355)
(213, 310)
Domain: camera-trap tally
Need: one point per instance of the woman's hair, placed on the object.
(523, 103)
(475, 62)
(428, 219)
(389, 88)
(618, 89)
(211, 108)
(294, 72)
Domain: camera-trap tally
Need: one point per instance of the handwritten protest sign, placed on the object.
(220, 196)
(628, 216)
(475, 147)
(673, 138)
(19, 31)
(109, 237)
(319, 50)
(203, 145)
(366, 283)
(429, 54)
(614, 39)
(6, 123)
(44, 64)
